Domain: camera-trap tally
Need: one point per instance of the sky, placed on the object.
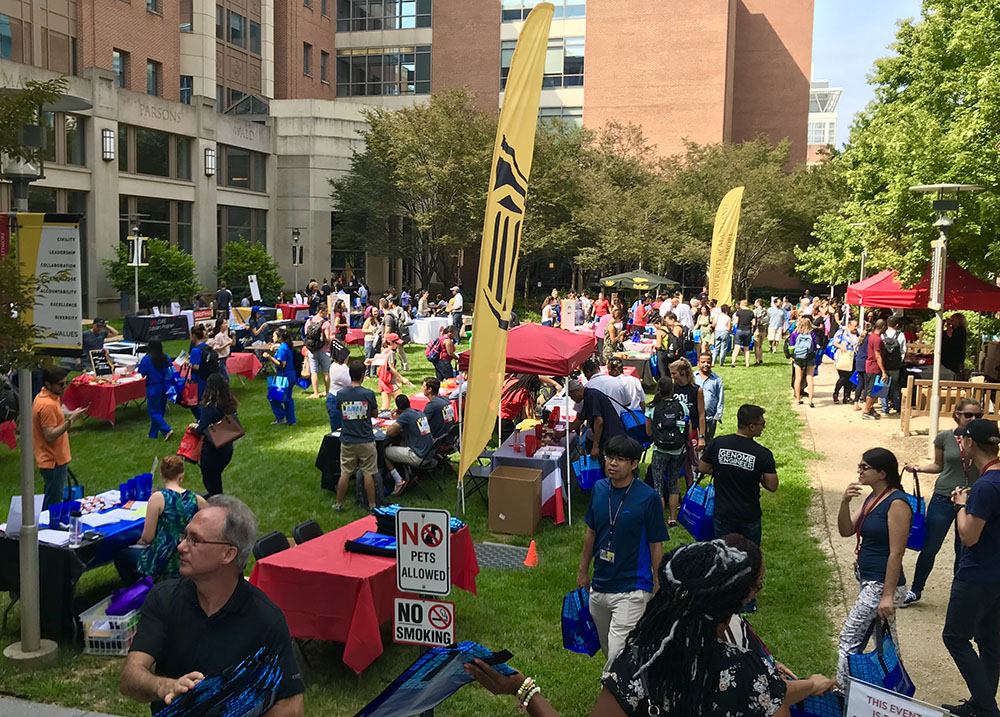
(848, 36)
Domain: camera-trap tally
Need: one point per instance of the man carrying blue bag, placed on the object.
(624, 538)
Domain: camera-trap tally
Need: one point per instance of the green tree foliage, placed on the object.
(935, 119)
(20, 109)
(418, 190)
(170, 275)
(240, 259)
(17, 297)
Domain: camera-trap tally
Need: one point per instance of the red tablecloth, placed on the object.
(355, 337)
(419, 400)
(291, 311)
(327, 593)
(103, 398)
(243, 364)
(8, 434)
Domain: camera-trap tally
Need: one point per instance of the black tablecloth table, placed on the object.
(328, 462)
(160, 328)
(643, 370)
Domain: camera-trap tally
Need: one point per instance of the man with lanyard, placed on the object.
(624, 539)
(711, 386)
(974, 606)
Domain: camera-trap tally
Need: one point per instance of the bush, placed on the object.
(170, 275)
(241, 258)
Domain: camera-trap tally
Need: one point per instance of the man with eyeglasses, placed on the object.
(210, 619)
(50, 424)
(624, 539)
(740, 467)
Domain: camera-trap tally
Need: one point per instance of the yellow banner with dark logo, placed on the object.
(720, 270)
(502, 227)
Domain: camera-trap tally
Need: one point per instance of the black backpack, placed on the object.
(666, 433)
(314, 337)
(892, 353)
(209, 363)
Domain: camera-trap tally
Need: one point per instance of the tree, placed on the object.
(170, 275)
(418, 190)
(21, 109)
(241, 258)
(935, 119)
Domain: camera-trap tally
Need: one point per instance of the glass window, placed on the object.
(187, 15)
(259, 171)
(237, 167)
(817, 133)
(73, 126)
(48, 122)
(322, 7)
(307, 58)
(220, 22)
(220, 98)
(42, 199)
(255, 37)
(6, 38)
(187, 88)
(237, 29)
(154, 217)
(384, 71)
(184, 226)
(152, 77)
(238, 223)
(152, 152)
(235, 96)
(361, 15)
(324, 61)
(260, 226)
(182, 158)
(563, 62)
(119, 61)
(570, 115)
(123, 154)
(153, 6)
(517, 10)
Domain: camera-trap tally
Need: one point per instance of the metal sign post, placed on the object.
(138, 256)
(936, 302)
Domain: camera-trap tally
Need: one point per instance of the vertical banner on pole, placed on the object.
(727, 222)
(505, 202)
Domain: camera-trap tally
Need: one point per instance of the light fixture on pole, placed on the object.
(209, 162)
(296, 256)
(864, 268)
(138, 256)
(108, 144)
(939, 265)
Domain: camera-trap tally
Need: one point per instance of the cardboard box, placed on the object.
(515, 500)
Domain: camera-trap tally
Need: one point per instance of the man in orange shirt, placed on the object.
(49, 428)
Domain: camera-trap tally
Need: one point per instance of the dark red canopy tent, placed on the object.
(962, 291)
(533, 348)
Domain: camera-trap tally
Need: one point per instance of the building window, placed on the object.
(307, 3)
(322, 8)
(220, 23)
(570, 115)
(235, 223)
(220, 98)
(817, 133)
(153, 6)
(242, 168)
(182, 157)
(157, 218)
(361, 15)
(120, 63)
(324, 62)
(149, 151)
(307, 59)
(187, 15)
(73, 140)
(384, 71)
(187, 89)
(517, 10)
(152, 152)
(237, 29)
(563, 62)
(153, 71)
(63, 137)
(123, 147)
(255, 37)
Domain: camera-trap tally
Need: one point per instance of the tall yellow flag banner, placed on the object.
(727, 222)
(508, 189)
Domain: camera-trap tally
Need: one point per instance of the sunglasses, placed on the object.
(969, 414)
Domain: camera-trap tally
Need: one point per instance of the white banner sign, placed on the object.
(423, 552)
(254, 289)
(865, 700)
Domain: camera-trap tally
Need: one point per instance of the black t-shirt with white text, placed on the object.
(738, 464)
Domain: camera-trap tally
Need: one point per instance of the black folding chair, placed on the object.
(273, 542)
(478, 476)
(306, 531)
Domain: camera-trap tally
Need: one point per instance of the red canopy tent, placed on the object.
(533, 348)
(962, 291)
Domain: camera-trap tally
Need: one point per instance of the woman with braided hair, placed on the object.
(677, 661)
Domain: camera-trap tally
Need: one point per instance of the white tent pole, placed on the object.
(569, 477)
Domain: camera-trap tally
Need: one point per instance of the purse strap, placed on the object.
(916, 484)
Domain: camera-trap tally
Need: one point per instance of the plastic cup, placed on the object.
(123, 492)
(530, 445)
(517, 448)
(539, 429)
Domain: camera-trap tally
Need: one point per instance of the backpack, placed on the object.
(892, 353)
(666, 434)
(314, 336)
(434, 349)
(803, 348)
(391, 322)
(209, 362)
(675, 346)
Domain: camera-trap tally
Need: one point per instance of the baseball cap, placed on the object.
(393, 338)
(982, 431)
(574, 385)
(455, 288)
(98, 321)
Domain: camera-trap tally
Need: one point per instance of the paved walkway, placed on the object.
(13, 707)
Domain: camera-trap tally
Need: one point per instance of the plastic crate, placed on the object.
(107, 634)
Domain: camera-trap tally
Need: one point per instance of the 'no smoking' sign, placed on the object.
(424, 622)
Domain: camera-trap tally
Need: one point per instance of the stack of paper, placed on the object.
(53, 537)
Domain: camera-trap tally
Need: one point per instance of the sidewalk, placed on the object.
(13, 707)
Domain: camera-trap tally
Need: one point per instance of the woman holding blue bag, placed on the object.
(158, 371)
(279, 388)
(881, 527)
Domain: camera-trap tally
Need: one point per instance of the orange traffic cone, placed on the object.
(532, 559)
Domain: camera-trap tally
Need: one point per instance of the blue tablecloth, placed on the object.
(114, 537)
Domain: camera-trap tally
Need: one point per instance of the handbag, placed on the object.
(697, 509)
(224, 431)
(190, 447)
(845, 360)
(277, 388)
(635, 424)
(588, 471)
(578, 629)
(189, 392)
(881, 667)
(131, 598)
(915, 541)
(73, 490)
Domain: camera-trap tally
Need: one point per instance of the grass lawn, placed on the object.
(273, 471)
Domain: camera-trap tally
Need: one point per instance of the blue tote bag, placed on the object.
(881, 667)
(697, 510)
(588, 471)
(915, 541)
(278, 388)
(578, 628)
(828, 705)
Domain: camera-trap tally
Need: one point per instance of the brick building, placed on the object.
(225, 118)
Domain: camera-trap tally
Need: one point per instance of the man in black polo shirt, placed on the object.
(600, 414)
(209, 619)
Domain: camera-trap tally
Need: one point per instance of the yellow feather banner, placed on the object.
(502, 227)
(720, 270)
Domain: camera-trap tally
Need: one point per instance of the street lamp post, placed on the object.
(296, 256)
(938, 267)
